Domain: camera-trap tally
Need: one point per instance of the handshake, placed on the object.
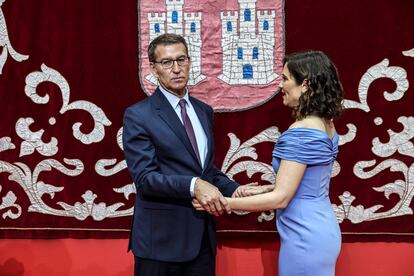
(207, 197)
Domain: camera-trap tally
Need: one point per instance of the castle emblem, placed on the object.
(187, 24)
(236, 47)
(247, 53)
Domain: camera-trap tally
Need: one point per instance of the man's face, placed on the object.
(175, 78)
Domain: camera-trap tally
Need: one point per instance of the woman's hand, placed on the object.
(252, 189)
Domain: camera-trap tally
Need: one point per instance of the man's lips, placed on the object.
(177, 79)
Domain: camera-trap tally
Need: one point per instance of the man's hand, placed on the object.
(252, 189)
(210, 198)
(197, 205)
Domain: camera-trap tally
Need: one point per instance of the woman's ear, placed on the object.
(305, 85)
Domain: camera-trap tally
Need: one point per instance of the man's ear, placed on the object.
(153, 69)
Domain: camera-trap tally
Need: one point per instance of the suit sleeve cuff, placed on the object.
(192, 185)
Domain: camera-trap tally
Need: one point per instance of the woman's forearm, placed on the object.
(288, 178)
(262, 202)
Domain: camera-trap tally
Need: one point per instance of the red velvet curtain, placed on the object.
(71, 67)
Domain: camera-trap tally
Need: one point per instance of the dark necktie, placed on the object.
(189, 127)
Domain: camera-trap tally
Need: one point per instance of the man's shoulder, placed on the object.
(200, 103)
(135, 108)
(141, 105)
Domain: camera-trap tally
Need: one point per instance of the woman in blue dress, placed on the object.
(303, 158)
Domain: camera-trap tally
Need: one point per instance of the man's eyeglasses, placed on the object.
(168, 63)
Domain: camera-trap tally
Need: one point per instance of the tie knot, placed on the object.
(182, 103)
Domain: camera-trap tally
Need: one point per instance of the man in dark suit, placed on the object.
(169, 148)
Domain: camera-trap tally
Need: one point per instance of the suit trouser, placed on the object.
(203, 265)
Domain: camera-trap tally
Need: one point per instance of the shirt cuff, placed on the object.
(192, 185)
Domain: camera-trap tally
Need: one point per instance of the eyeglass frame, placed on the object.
(186, 60)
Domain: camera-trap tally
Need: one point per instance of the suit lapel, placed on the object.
(166, 112)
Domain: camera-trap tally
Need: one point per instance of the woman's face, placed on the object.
(290, 89)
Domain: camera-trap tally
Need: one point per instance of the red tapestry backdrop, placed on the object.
(69, 68)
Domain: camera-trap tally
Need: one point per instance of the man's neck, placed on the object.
(179, 94)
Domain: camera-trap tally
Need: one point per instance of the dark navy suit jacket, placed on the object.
(162, 163)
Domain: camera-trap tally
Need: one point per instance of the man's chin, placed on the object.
(179, 88)
(178, 91)
(179, 84)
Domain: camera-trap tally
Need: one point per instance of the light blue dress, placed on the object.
(310, 238)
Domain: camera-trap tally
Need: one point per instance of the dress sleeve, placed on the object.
(306, 146)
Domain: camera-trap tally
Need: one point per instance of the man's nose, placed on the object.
(175, 66)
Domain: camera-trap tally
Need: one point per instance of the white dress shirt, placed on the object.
(200, 135)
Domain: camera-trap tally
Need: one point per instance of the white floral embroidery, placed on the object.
(349, 136)
(101, 164)
(378, 121)
(409, 53)
(403, 188)
(34, 188)
(33, 140)
(5, 43)
(9, 201)
(398, 142)
(89, 208)
(380, 70)
(51, 75)
(6, 144)
(128, 189)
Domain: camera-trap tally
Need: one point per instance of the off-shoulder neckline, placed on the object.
(314, 129)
